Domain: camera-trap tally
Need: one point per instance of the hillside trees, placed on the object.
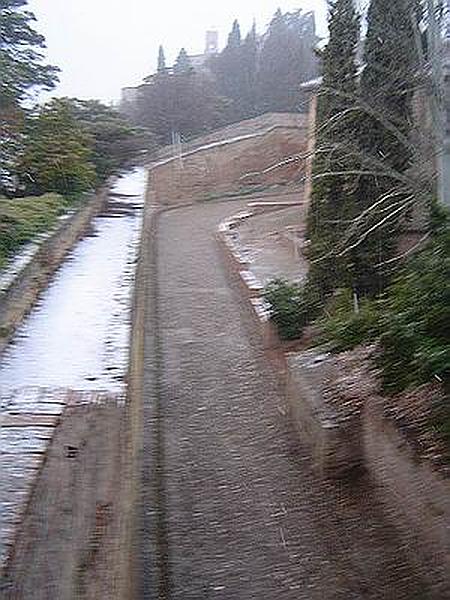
(235, 70)
(57, 153)
(252, 75)
(184, 102)
(286, 59)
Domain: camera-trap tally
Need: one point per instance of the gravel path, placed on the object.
(244, 516)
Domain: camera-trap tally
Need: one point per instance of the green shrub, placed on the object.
(411, 320)
(343, 328)
(292, 306)
(415, 340)
(21, 219)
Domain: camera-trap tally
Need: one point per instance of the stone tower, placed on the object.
(212, 42)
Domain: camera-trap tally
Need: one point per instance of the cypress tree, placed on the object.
(183, 62)
(388, 82)
(249, 72)
(332, 195)
(161, 60)
(389, 77)
(234, 38)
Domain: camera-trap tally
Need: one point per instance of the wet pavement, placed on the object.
(73, 343)
(273, 243)
(243, 514)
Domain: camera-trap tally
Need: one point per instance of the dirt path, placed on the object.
(240, 513)
(68, 545)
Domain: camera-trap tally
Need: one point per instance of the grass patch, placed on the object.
(22, 219)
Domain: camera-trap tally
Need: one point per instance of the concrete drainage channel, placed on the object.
(71, 350)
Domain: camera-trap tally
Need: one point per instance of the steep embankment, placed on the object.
(252, 155)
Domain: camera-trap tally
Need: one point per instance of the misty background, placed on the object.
(104, 45)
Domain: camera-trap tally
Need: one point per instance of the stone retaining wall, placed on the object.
(335, 441)
(134, 417)
(416, 498)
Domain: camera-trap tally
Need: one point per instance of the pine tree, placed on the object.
(161, 60)
(21, 55)
(183, 63)
(234, 38)
(331, 201)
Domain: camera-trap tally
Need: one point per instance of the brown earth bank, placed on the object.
(216, 165)
(69, 543)
(241, 511)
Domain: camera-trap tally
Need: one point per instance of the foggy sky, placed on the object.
(104, 45)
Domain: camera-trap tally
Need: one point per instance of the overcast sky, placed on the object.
(104, 45)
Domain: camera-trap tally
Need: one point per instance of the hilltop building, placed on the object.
(199, 62)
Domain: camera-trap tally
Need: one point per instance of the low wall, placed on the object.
(416, 498)
(131, 526)
(19, 297)
(335, 441)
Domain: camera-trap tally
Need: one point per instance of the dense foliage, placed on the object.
(57, 155)
(21, 219)
(184, 102)
(411, 320)
(113, 141)
(22, 70)
(415, 340)
(292, 305)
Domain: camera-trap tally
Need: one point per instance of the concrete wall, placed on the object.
(131, 533)
(416, 498)
(335, 441)
(220, 168)
(18, 299)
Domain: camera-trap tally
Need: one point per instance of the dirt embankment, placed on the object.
(240, 162)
